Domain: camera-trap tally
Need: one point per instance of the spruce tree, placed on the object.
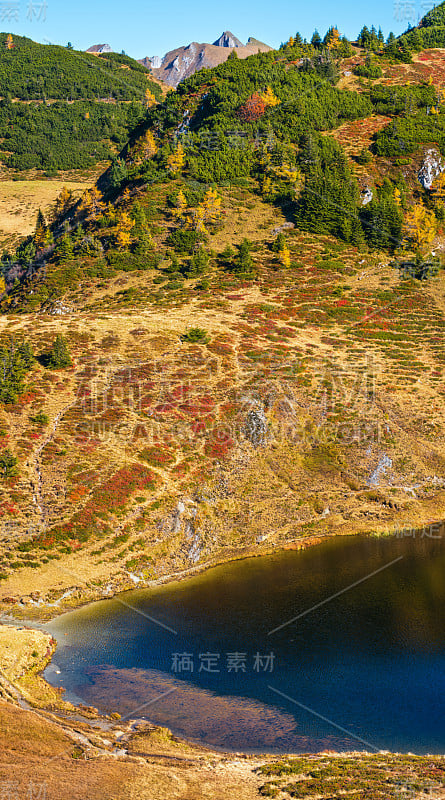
(65, 249)
(8, 464)
(59, 355)
(199, 263)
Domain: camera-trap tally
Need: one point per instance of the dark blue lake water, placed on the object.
(215, 658)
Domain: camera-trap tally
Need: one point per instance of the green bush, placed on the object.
(194, 335)
(184, 240)
(8, 464)
(16, 359)
(40, 419)
(59, 355)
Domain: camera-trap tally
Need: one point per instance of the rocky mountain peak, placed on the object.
(227, 39)
(100, 48)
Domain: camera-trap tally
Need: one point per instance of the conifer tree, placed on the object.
(65, 249)
(59, 355)
(118, 173)
(41, 229)
(8, 464)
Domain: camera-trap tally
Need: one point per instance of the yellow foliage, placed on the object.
(9, 42)
(63, 201)
(333, 38)
(269, 98)
(175, 161)
(207, 213)
(420, 226)
(181, 205)
(397, 197)
(125, 223)
(123, 228)
(284, 257)
(266, 184)
(289, 173)
(438, 188)
(144, 148)
(92, 202)
(40, 237)
(211, 205)
(150, 99)
(197, 216)
(123, 239)
(291, 41)
(2, 284)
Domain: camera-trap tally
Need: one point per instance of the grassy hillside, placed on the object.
(237, 328)
(218, 350)
(64, 109)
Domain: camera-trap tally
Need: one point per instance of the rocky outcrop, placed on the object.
(255, 429)
(366, 195)
(431, 168)
(153, 62)
(227, 39)
(99, 48)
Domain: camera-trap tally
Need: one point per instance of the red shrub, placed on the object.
(253, 108)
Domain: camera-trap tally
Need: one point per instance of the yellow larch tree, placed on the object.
(420, 226)
(198, 222)
(180, 205)
(150, 99)
(123, 228)
(40, 237)
(212, 206)
(284, 256)
(175, 160)
(92, 202)
(63, 202)
(269, 99)
(144, 148)
(207, 212)
(148, 145)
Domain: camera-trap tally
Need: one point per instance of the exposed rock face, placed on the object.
(100, 48)
(366, 195)
(256, 427)
(384, 464)
(227, 39)
(153, 61)
(182, 62)
(431, 168)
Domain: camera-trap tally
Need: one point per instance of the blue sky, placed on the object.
(153, 28)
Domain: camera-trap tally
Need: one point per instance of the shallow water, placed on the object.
(362, 670)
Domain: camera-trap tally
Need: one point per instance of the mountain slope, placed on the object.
(182, 62)
(64, 109)
(241, 332)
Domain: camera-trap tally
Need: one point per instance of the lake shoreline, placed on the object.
(88, 713)
(41, 604)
